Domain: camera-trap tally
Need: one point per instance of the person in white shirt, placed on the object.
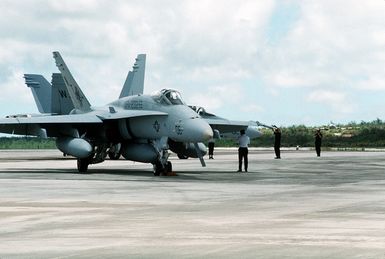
(243, 150)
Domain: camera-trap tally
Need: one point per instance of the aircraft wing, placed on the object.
(57, 123)
(35, 125)
(113, 115)
(54, 119)
(225, 126)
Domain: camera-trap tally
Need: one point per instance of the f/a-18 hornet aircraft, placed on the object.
(54, 98)
(142, 124)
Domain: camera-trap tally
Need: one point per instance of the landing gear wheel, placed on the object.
(113, 156)
(83, 165)
(158, 169)
(180, 156)
(114, 152)
(169, 167)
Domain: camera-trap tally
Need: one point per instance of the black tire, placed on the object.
(83, 165)
(169, 167)
(158, 169)
(113, 156)
(180, 156)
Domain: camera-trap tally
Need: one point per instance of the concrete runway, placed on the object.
(298, 207)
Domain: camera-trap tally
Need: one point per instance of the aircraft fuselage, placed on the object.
(180, 124)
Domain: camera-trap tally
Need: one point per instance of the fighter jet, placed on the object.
(142, 124)
(55, 99)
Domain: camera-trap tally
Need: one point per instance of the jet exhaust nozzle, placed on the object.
(76, 147)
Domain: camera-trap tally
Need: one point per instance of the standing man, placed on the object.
(243, 150)
(211, 148)
(277, 142)
(318, 141)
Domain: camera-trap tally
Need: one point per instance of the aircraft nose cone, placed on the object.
(207, 133)
(195, 130)
(203, 131)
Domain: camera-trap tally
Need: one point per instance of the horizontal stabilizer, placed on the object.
(41, 91)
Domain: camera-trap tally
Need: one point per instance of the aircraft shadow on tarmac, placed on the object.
(75, 172)
(143, 173)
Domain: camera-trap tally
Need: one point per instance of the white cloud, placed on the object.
(328, 46)
(211, 51)
(375, 84)
(217, 97)
(16, 95)
(337, 100)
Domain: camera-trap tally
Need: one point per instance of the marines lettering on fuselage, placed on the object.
(134, 105)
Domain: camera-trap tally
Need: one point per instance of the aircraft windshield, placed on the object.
(170, 97)
(201, 111)
(198, 109)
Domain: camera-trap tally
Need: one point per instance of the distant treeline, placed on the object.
(351, 135)
(26, 143)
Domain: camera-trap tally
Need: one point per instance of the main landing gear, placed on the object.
(160, 169)
(114, 152)
(83, 165)
(181, 156)
(99, 155)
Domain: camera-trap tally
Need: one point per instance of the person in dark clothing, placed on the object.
(243, 150)
(318, 141)
(211, 145)
(277, 142)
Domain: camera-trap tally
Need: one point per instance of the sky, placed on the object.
(278, 62)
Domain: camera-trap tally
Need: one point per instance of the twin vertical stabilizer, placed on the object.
(79, 100)
(64, 95)
(134, 83)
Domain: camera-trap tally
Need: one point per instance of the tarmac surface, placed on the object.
(298, 207)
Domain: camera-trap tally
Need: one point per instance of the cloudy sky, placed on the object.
(279, 62)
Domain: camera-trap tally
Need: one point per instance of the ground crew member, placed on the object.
(211, 145)
(243, 150)
(318, 141)
(277, 142)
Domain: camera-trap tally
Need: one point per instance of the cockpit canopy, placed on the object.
(198, 109)
(201, 111)
(168, 97)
